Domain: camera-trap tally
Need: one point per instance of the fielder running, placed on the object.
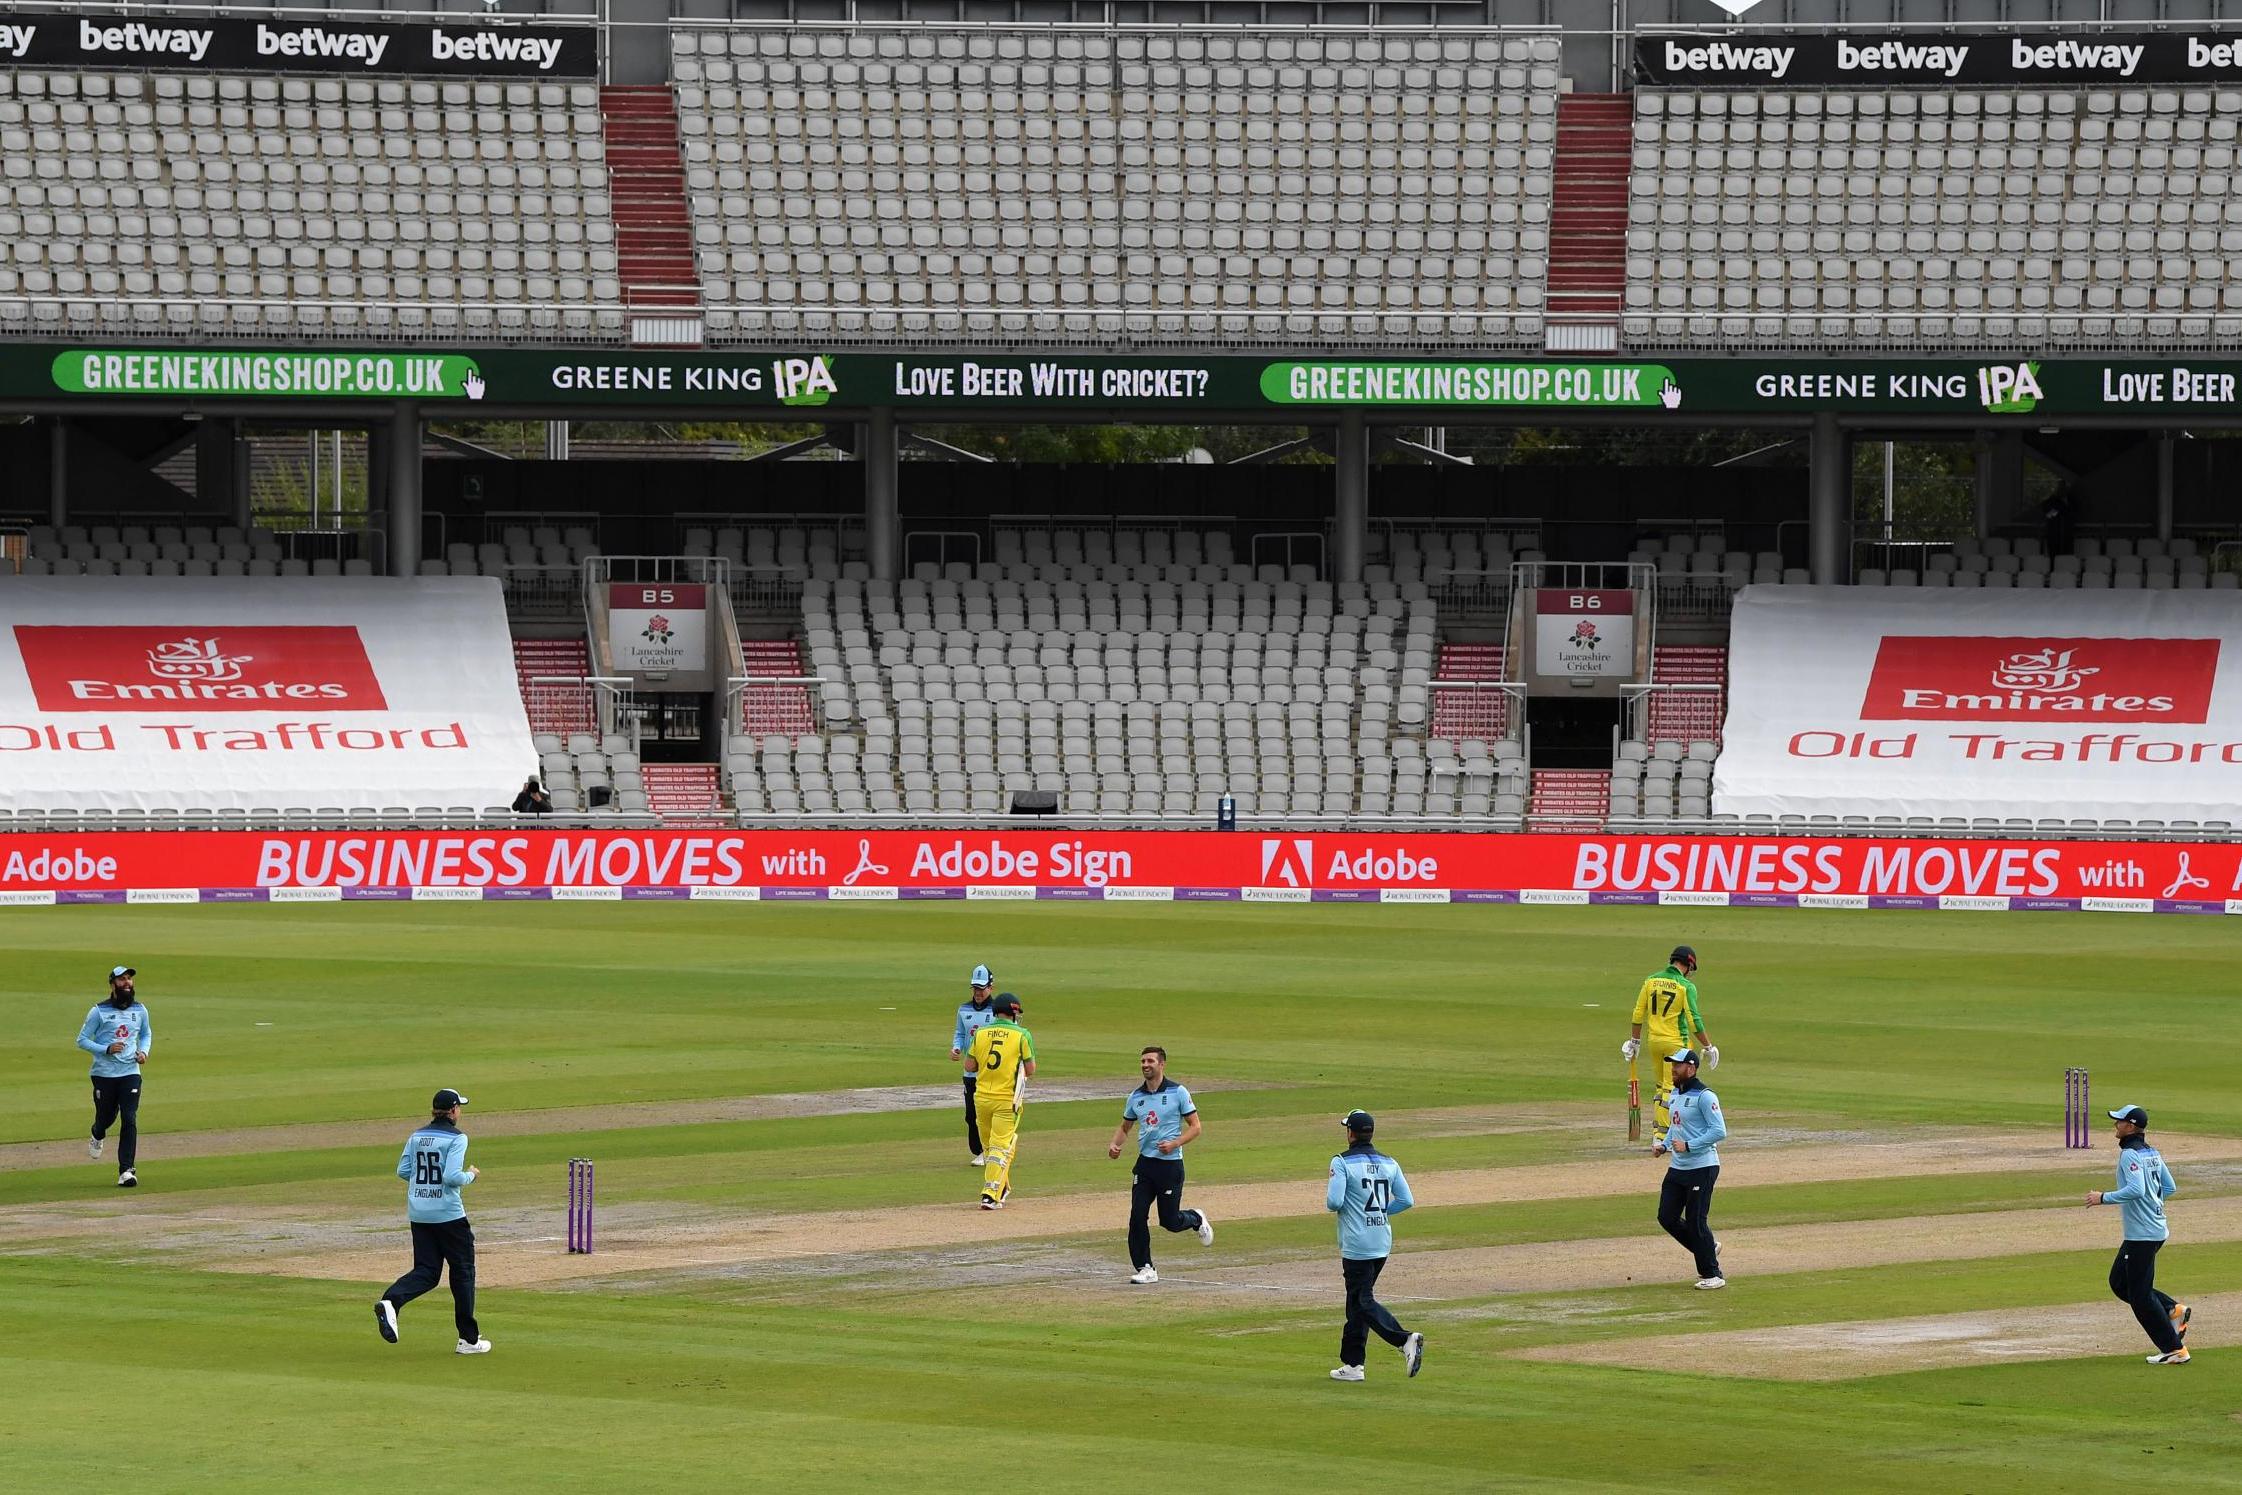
(1366, 1191)
(973, 1015)
(1667, 1007)
(118, 1035)
(1685, 1200)
(434, 1168)
(1000, 1058)
(2143, 1184)
(1170, 1121)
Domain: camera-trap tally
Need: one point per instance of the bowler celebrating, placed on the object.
(1169, 1122)
(118, 1035)
(2143, 1184)
(434, 1166)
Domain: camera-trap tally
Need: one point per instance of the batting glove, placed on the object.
(1630, 1048)
(1712, 1057)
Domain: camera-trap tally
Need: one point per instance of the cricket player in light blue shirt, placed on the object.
(1692, 1147)
(1167, 1120)
(2143, 1184)
(974, 1014)
(434, 1167)
(1367, 1189)
(118, 1033)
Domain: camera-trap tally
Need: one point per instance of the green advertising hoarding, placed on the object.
(1152, 387)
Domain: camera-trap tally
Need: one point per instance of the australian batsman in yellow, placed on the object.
(1002, 1056)
(1666, 1019)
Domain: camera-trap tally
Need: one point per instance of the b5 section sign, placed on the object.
(1183, 866)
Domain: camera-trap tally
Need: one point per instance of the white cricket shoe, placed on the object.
(385, 1319)
(1347, 1373)
(980, 1160)
(93, 1148)
(2177, 1357)
(1708, 1284)
(1413, 1351)
(1145, 1278)
(1206, 1229)
(128, 1180)
(479, 1347)
(988, 1203)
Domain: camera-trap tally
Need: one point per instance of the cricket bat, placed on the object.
(1634, 1103)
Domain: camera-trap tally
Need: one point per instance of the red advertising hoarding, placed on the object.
(223, 866)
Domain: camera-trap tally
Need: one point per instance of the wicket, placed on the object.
(2078, 1126)
(580, 1205)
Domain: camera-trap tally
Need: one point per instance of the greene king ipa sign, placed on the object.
(329, 376)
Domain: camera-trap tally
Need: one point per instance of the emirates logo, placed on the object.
(2041, 671)
(195, 659)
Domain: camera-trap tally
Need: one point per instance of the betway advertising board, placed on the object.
(1942, 59)
(1137, 866)
(466, 47)
(284, 693)
(1898, 701)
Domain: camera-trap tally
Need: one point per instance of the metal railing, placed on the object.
(1513, 694)
(1470, 591)
(1287, 548)
(962, 546)
(736, 702)
(1640, 703)
(768, 589)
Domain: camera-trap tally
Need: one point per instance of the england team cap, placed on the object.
(116, 971)
(981, 976)
(1682, 1056)
(446, 1099)
(1359, 1121)
(2133, 1114)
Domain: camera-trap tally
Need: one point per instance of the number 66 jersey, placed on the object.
(1366, 1190)
(434, 1166)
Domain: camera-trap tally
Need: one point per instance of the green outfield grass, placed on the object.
(127, 1364)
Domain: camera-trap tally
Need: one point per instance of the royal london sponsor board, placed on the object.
(1128, 865)
(2105, 705)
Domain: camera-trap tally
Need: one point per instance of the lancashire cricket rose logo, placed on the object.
(2045, 671)
(658, 630)
(1584, 635)
(195, 659)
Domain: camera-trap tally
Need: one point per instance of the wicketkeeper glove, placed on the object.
(1630, 1048)
(1712, 1057)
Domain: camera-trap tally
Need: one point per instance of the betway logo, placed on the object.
(1728, 57)
(139, 39)
(165, 669)
(2042, 679)
(15, 41)
(2074, 56)
(1900, 57)
(317, 41)
(493, 46)
(1291, 864)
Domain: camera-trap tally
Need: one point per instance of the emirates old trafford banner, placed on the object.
(466, 47)
(2121, 705)
(1936, 59)
(179, 693)
(964, 384)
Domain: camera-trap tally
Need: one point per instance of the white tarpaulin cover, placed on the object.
(2039, 704)
(284, 693)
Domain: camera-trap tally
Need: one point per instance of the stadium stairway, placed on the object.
(562, 712)
(1694, 717)
(1464, 715)
(765, 709)
(646, 174)
(684, 794)
(1588, 222)
(1569, 799)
